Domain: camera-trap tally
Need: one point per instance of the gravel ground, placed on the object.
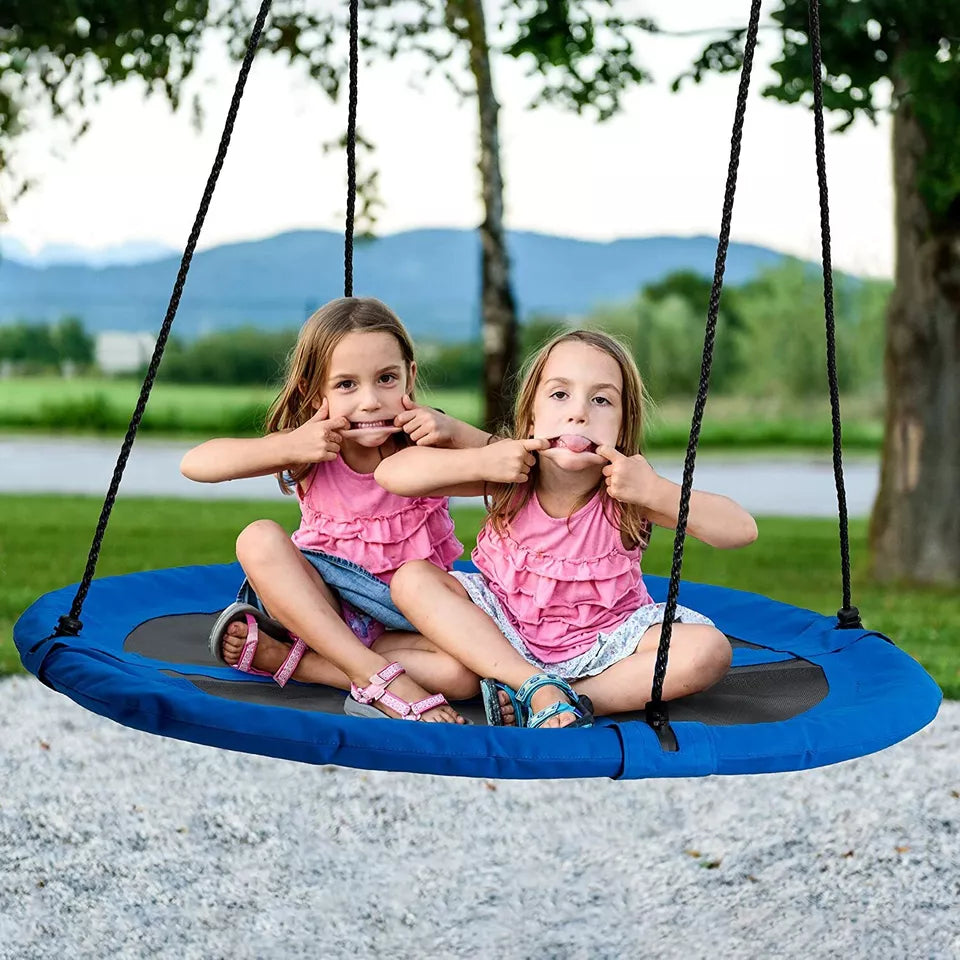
(117, 843)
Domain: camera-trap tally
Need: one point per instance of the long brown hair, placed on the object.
(506, 500)
(309, 362)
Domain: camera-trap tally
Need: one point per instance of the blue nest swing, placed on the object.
(804, 689)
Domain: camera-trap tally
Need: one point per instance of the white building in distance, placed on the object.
(120, 352)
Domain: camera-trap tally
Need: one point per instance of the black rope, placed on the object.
(70, 624)
(656, 711)
(351, 149)
(847, 616)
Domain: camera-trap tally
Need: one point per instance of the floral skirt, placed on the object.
(609, 648)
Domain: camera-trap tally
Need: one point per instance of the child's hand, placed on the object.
(319, 438)
(425, 426)
(629, 479)
(509, 461)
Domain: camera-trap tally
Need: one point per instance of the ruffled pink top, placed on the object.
(349, 515)
(561, 581)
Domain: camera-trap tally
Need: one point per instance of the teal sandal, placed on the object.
(579, 706)
(490, 692)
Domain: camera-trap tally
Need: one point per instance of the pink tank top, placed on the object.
(349, 515)
(562, 581)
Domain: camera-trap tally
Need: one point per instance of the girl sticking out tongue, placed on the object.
(558, 614)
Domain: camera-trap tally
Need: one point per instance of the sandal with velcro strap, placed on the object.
(360, 702)
(580, 706)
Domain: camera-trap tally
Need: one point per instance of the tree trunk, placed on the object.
(499, 309)
(915, 526)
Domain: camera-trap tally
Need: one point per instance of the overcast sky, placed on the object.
(658, 168)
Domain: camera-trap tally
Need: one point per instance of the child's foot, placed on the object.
(411, 691)
(270, 652)
(545, 697)
(506, 709)
(541, 700)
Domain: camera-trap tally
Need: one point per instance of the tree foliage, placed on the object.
(41, 347)
(770, 339)
(56, 55)
(245, 355)
(915, 47)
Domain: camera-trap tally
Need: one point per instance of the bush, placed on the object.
(784, 333)
(93, 413)
(245, 355)
(770, 340)
(36, 348)
(451, 365)
(666, 339)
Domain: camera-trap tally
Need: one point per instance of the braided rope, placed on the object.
(656, 712)
(70, 624)
(848, 616)
(351, 148)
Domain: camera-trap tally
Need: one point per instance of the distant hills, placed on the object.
(430, 277)
(58, 254)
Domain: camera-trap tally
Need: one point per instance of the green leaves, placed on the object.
(56, 54)
(584, 51)
(877, 55)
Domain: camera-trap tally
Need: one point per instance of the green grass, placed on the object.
(44, 542)
(85, 405)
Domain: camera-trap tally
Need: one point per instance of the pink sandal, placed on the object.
(359, 703)
(253, 617)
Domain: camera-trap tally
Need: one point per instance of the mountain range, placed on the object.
(431, 277)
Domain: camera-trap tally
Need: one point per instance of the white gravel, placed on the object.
(117, 843)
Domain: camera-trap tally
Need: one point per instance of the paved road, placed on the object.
(789, 485)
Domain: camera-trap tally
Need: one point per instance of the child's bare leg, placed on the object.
(428, 664)
(699, 657)
(271, 652)
(296, 595)
(440, 608)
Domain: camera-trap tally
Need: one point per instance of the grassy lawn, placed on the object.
(44, 542)
(104, 406)
(85, 405)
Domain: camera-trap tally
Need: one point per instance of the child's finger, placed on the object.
(322, 411)
(408, 404)
(610, 453)
(403, 418)
(536, 443)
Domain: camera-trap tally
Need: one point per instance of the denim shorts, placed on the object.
(365, 600)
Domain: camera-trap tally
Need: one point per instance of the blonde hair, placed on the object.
(506, 500)
(309, 362)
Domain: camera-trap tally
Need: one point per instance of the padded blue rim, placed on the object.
(878, 696)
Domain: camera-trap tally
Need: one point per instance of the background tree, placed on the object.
(56, 55)
(61, 51)
(72, 342)
(29, 347)
(694, 290)
(245, 355)
(915, 526)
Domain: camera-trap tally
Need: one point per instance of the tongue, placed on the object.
(574, 442)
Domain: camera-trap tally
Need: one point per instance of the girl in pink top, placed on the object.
(345, 407)
(560, 587)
